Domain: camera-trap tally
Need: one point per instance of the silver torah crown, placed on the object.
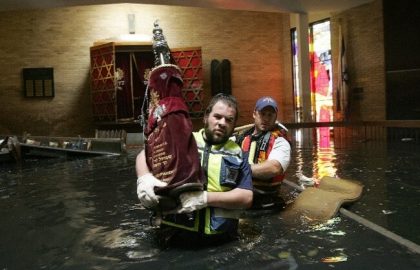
(160, 46)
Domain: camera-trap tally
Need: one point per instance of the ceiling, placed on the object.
(289, 6)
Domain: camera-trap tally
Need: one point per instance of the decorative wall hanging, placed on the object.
(38, 82)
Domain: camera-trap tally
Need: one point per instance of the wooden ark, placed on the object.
(118, 80)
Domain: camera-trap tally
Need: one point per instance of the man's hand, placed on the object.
(191, 201)
(145, 189)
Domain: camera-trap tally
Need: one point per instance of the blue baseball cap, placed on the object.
(264, 102)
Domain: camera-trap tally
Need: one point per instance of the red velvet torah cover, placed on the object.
(171, 150)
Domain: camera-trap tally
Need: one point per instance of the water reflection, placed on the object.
(321, 143)
(385, 169)
(326, 157)
(84, 214)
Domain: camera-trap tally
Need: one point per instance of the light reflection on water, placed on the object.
(84, 214)
(322, 150)
(388, 171)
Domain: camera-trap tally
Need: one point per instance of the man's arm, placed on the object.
(277, 162)
(266, 170)
(146, 182)
(237, 198)
(141, 165)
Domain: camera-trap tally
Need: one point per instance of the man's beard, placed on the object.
(211, 139)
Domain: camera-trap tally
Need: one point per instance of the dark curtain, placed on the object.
(123, 85)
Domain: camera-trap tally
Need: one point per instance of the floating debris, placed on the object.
(312, 253)
(337, 233)
(328, 225)
(284, 254)
(388, 212)
(287, 256)
(133, 254)
(341, 258)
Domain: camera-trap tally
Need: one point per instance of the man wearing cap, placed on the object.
(269, 153)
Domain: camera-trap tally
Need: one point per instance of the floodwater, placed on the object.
(84, 214)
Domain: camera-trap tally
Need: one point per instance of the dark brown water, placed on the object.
(84, 214)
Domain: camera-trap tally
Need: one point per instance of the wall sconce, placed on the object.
(131, 23)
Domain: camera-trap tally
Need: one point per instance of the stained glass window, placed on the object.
(296, 82)
(321, 71)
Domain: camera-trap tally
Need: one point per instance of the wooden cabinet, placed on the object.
(118, 81)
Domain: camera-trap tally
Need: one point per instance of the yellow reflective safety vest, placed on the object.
(225, 169)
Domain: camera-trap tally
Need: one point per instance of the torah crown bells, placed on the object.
(160, 46)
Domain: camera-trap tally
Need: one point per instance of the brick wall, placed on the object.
(362, 28)
(257, 44)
